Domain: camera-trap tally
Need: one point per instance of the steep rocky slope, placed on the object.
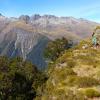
(19, 39)
(74, 76)
(27, 36)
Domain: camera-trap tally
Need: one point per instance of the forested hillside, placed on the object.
(19, 79)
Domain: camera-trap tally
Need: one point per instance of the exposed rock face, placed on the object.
(19, 39)
(26, 42)
(27, 36)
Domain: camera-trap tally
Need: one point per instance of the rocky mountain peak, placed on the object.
(25, 18)
(35, 17)
(49, 16)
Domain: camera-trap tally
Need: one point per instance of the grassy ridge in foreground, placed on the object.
(75, 75)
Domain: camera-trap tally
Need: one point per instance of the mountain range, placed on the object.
(27, 36)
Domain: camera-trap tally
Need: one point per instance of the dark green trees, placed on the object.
(55, 48)
(18, 79)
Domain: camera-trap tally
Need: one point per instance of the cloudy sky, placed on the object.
(89, 9)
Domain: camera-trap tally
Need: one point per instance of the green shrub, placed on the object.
(86, 82)
(90, 93)
(71, 64)
(69, 95)
(70, 71)
(81, 82)
(55, 48)
(63, 73)
(70, 80)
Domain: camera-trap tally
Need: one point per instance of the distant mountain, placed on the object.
(27, 36)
